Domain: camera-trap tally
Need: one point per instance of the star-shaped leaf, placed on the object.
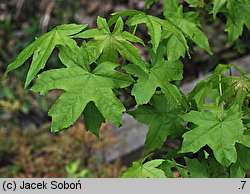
(42, 48)
(106, 44)
(162, 118)
(217, 131)
(188, 22)
(237, 14)
(160, 74)
(147, 170)
(81, 87)
(156, 27)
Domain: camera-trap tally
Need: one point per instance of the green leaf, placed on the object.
(162, 118)
(203, 89)
(149, 3)
(158, 29)
(170, 8)
(156, 26)
(167, 167)
(107, 45)
(160, 75)
(237, 14)
(223, 68)
(42, 48)
(246, 138)
(175, 49)
(74, 55)
(93, 119)
(234, 27)
(117, 15)
(103, 25)
(236, 89)
(218, 4)
(147, 170)
(196, 168)
(220, 133)
(196, 3)
(216, 170)
(195, 34)
(81, 87)
(187, 22)
(239, 169)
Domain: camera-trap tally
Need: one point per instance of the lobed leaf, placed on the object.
(106, 45)
(162, 118)
(189, 24)
(220, 132)
(80, 88)
(147, 170)
(42, 48)
(160, 75)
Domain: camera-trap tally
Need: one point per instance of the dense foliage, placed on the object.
(212, 121)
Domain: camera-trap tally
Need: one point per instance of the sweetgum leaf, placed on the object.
(196, 3)
(156, 26)
(236, 90)
(220, 133)
(107, 45)
(216, 170)
(196, 168)
(167, 167)
(194, 32)
(81, 87)
(42, 48)
(162, 118)
(237, 14)
(116, 15)
(239, 169)
(93, 119)
(170, 8)
(188, 23)
(157, 29)
(149, 3)
(218, 4)
(201, 90)
(147, 170)
(246, 138)
(160, 74)
(74, 55)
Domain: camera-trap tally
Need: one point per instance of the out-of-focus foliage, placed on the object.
(33, 152)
